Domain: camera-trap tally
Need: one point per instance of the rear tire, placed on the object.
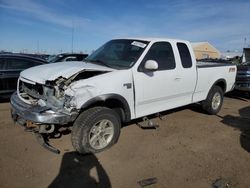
(214, 100)
(95, 130)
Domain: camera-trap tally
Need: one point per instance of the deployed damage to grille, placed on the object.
(50, 94)
(29, 91)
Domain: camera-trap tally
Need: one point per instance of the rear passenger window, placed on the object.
(162, 53)
(18, 64)
(186, 60)
(2, 63)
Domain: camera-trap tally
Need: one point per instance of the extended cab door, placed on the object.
(187, 72)
(166, 87)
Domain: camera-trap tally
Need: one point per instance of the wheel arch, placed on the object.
(221, 83)
(113, 101)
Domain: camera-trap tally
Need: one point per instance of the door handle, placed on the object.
(176, 79)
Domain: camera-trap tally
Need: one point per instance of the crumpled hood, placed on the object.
(40, 74)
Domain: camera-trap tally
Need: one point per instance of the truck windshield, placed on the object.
(119, 53)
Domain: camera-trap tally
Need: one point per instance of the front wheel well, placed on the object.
(118, 104)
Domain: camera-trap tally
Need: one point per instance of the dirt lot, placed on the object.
(190, 149)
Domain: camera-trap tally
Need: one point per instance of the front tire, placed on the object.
(214, 100)
(95, 130)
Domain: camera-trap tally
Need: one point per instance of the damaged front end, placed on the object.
(45, 109)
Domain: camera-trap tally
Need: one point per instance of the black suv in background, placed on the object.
(66, 57)
(243, 77)
(10, 67)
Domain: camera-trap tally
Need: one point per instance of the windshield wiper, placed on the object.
(100, 62)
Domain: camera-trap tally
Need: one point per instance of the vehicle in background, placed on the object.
(243, 72)
(243, 77)
(66, 57)
(125, 79)
(10, 67)
(41, 56)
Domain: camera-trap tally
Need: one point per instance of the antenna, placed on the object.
(38, 47)
(245, 41)
(72, 37)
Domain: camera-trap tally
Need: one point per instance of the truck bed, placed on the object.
(210, 72)
(202, 64)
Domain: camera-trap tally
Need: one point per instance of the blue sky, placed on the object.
(46, 25)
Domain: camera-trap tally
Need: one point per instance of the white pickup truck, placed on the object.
(124, 79)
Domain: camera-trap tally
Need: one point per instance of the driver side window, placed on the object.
(162, 53)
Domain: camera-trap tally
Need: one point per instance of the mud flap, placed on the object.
(44, 142)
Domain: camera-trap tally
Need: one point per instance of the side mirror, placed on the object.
(151, 65)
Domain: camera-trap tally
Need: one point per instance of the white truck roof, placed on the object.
(150, 39)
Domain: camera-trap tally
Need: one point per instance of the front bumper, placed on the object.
(22, 112)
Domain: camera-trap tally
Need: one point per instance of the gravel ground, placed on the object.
(189, 149)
